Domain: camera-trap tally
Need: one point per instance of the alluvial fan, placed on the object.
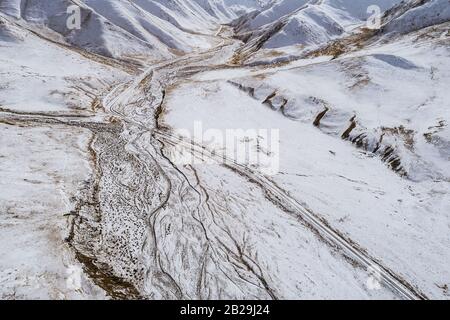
(224, 149)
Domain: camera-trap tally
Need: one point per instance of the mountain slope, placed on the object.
(151, 29)
(415, 15)
(121, 149)
(364, 135)
(307, 22)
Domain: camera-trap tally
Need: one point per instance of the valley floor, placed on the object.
(94, 205)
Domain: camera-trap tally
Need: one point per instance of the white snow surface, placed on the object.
(311, 22)
(406, 221)
(121, 28)
(364, 146)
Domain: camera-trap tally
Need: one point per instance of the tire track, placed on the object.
(277, 195)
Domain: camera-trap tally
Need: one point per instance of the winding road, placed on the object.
(146, 227)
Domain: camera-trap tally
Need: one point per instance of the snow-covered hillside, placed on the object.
(104, 192)
(306, 22)
(152, 29)
(415, 15)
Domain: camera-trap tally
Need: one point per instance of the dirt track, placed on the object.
(146, 228)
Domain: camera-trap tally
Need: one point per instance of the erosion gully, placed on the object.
(143, 227)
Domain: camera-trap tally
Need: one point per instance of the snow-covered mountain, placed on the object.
(306, 22)
(157, 29)
(414, 15)
(119, 28)
(95, 203)
(400, 20)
